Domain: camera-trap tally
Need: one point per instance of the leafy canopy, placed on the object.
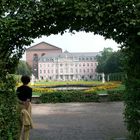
(23, 20)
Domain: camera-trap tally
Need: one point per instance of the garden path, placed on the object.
(78, 121)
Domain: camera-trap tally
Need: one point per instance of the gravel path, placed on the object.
(78, 121)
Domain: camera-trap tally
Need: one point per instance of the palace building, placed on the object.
(34, 53)
(48, 62)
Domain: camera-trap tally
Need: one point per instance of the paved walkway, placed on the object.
(78, 121)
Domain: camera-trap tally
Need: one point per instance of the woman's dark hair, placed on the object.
(25, 79)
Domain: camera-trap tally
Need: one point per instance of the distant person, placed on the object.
(24, 93)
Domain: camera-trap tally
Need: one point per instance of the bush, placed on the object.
(115, 95)
(68, 96)
(132, 110)
(9, 117)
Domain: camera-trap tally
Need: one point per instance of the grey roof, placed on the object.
(65, 54)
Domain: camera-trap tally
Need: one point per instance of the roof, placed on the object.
(43, 46)
(66, 54)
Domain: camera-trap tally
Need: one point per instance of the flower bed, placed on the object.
(92, 94)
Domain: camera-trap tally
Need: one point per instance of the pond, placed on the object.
(70, 88)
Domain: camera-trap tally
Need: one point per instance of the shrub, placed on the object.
(8, 112)
(115, 95)
(68, 96)
(9, 116)
(132, 110)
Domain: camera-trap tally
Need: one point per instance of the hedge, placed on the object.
(69, 96)
(9, 116)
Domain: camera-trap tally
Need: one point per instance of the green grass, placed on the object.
(121, 87)
(36, 93)
(101, 91)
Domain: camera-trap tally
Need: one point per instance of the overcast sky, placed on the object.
(78, 42)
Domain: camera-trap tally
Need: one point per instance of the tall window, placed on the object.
(42, 54)
(56, 70)
(35, 57)
(71, 70)
(61, 70)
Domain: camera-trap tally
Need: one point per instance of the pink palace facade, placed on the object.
(60, 65)
(67, 66)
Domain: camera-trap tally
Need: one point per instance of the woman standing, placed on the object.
(24, 93)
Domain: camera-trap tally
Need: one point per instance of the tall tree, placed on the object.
(114, 63)
(110, 62)
(102, 59)
(23, 68)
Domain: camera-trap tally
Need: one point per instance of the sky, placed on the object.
(78, 42)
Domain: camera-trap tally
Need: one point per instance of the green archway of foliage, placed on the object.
(23, 20)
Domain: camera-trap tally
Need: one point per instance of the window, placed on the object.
(71, 70)
(56, 70)
(61, 70)
(66, 70)
(35, 57)
(42, 54)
